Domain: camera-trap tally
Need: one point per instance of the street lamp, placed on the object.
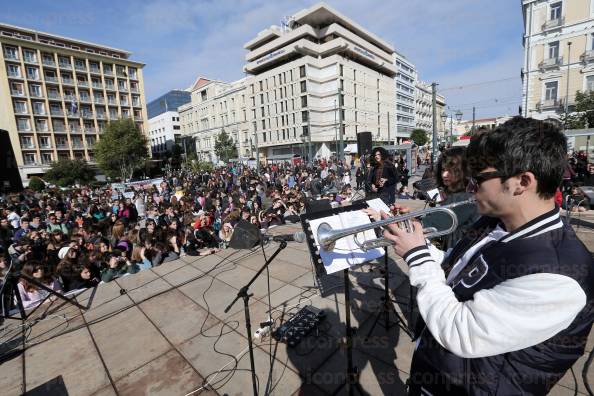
(444, 118)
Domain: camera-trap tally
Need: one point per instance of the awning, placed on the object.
(351, 149)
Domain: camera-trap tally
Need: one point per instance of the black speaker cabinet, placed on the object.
(245, 235)
(10, 179)
(364, 143)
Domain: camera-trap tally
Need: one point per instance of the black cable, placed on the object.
(112, 314)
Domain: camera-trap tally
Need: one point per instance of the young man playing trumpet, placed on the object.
(509, 309)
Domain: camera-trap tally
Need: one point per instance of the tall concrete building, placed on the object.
(424, 108)
(58, 93)
(317, 75)
(216, 106)
(405, 96)
(558, 55)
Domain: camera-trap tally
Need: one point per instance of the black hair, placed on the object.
(522, 145)
(454, 160)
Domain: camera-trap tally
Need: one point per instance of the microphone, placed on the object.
(299, 237)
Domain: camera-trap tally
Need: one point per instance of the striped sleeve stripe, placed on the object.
(415, 252)
(420, 257)
(416, 264)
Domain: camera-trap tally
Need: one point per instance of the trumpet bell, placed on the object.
(325, 237)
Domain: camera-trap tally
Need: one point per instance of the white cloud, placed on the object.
(452, 42)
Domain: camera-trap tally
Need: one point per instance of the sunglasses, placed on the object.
(475, 182)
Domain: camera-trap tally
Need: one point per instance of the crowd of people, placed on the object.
(76, 238)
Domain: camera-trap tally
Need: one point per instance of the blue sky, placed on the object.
(457, 43)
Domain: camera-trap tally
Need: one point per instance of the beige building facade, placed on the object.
(424, 109)
(558, 55)
(319, 74)
(216, 106)
(57, 94)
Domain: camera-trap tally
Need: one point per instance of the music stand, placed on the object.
(352, 381)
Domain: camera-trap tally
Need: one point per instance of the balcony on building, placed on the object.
(62, 146)
(79, 67)
(32, 59)
(110, 87)
(17, 92)
(100, 116)
(54, 96)
(82, 83)
(107, 71)
(65, 65)
(51, 79)
(97, 85)
(67, 81)
(48, 62)
(99, 101)
(588, 56)
(551, 63)
(553, 24)
(87, 115)
(11, 55)
(549, 104)
(85, 99)
(94, 70)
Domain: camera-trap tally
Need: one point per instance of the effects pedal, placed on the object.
(299, 325)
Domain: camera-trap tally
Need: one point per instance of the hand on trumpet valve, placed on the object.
(404, 238)
(398, 209)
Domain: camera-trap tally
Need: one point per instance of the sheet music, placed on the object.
(346, 253)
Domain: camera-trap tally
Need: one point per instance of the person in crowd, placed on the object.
(452, 179)
(30, 293)
(513, 302)
(383, 176)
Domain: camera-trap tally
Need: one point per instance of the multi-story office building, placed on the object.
(424, 108)
(216, 106)
(163, 132)
(558, 55)
(168, 102)
(405, 96)
(57, 94)
(322, 72)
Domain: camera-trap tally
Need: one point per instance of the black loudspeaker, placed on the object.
(364, 143)
(317, 205)
(245, 235)
(10, 179)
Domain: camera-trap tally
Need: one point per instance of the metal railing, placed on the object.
(553, 23)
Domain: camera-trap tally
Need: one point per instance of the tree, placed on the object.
(582, 115)
(202, 166)
(176, 155)
(67, 172)
(224, 146)
(122, 149)
(419, 136)
(36, 184)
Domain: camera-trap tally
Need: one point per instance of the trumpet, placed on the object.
(327, 237)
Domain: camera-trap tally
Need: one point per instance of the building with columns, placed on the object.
(558, 55)
(319, 75)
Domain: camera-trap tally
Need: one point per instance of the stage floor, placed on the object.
(163, 332)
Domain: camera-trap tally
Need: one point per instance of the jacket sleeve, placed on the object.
(515, 314)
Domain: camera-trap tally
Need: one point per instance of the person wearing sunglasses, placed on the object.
(513, 309)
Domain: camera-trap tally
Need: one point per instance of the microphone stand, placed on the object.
(243, 293)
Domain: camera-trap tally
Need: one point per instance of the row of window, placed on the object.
(32, 72)
(38, 108)
(45, 142)
(36, 91)
(551, 88)
(65, 62)
(42, 125)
